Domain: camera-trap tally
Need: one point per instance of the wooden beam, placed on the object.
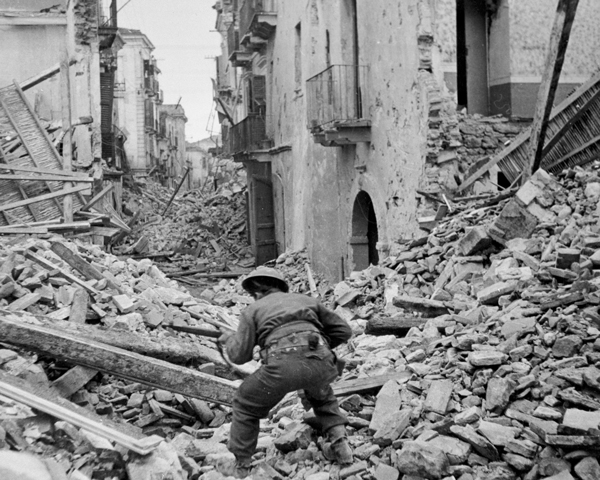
(143, 446)
(52, 267)
(45, 178)
(559, 40)
(67, 151)
(118, 362)
(23, 230)
(41, 198)
(42, 76)
(175, 349)
(347, 387)
(97, 198)
(78, 263)
(74, 379)
(47, 171)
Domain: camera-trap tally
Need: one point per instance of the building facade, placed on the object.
(137, 99)
(37, 36)
(332, 106)
(171, 145)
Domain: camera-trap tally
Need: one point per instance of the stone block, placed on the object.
(123, 303)
(388, 402)
(498, 392)
(393, 429)
(513, 222)
(498, 434)
(491, 294)
(588, 469)
(422, 459)
(438, 396)
(456, 450)
(22, 466)
(581, 419)
(474, 241)
(297, 437)
(487, 358)
(385, 472)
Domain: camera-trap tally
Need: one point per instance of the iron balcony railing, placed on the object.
(233, 40)
(337, 95)
(251, 8)
(248, 135)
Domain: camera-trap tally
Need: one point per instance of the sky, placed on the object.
(183, 32)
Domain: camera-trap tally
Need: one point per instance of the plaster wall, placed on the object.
(320, 182)
(25, 52)
(130, 103)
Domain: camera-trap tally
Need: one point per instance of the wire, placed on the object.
(126, 3)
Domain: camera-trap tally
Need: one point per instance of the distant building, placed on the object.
(137, 97)
(172, 160)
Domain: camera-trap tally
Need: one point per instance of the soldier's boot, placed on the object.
(337, 448)
(243, 467)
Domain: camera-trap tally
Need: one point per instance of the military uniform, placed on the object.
(295, 333)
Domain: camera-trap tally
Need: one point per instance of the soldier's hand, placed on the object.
(224, 337)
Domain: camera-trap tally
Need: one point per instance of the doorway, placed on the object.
(472, 56)
(365, 236)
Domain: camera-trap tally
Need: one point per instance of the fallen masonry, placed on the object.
(442, 381)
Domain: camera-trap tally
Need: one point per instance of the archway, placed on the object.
(364, 232)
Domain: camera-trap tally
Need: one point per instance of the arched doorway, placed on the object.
(364, 233)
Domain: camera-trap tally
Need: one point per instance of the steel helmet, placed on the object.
(266, 272)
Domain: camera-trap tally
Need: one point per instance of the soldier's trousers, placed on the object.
(311, 371)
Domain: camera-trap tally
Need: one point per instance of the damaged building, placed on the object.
(343, 111)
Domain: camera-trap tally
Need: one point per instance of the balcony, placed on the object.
(249, 135)
(258, 19)
(337, 106)
(238, 56)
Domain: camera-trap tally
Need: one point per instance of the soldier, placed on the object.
(296, 334)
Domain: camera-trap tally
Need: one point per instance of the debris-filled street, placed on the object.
(469, 359)
(374, 256)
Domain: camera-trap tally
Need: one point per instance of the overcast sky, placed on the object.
(183, 33)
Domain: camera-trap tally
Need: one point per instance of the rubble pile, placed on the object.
(199, 229)
(475, 356)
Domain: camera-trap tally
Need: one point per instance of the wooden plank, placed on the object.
(576, 151)
(40, 77)
(97, 198)
(67, 142)
(174, 349)
(72, 226)
(24, 302)
(143, 447)
(76, 262)
(347, 387)
(47, 196)
(73, 380)
(559, 40)
(50, 266)
(45, 171)
(25, 144)
(23, 230)
(393, 326)
(45, 178)
(118, 362)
